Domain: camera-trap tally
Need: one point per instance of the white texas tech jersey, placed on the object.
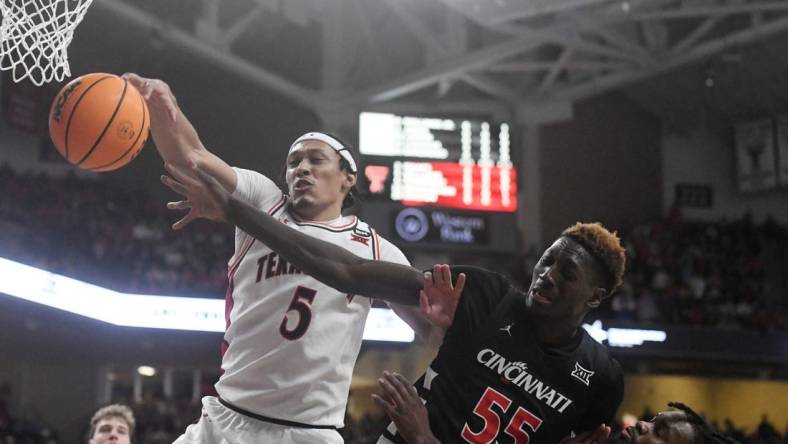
(291, 341)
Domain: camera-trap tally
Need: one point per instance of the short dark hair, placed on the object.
(605, 246)
(704, 432)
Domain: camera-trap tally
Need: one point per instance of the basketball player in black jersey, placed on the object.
(514, 366)
(679, 426)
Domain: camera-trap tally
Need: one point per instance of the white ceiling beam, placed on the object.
(490, 86)
(541, 8)
(552, 75)
(416, 27)
(444, 86)
(617, 80)
(435, 46)
(232, 33)
(681, 13)
(237, 65)
(698, 33)
(500, 110)
(562, 36)
(446, 68)
(524, 41)
(206, 26)
(608, 34)
(451, 68)
(575, 65)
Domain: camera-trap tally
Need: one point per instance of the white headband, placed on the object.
(342, 150)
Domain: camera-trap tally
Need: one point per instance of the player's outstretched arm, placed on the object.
(326, 262)
(175, 138)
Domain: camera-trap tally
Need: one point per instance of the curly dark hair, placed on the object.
(704, 432)
(603, 245)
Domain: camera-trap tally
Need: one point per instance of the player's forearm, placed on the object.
(177, 142)
(326, 262)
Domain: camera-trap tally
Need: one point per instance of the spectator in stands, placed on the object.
(112, 424)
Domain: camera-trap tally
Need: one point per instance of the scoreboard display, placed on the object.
(442, 162)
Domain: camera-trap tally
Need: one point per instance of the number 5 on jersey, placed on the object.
(302, 305)
(492, 421)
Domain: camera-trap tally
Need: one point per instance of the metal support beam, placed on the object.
(447, 68)
(574, 65)
(604, 31)
(682, 13)
(530, 9)
(434, 45)
(239, 66)
(617, 80)
(490, 86)
(696, 34)
(551, 75)
(232, 33)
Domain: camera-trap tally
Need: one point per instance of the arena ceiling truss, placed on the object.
(523, 55)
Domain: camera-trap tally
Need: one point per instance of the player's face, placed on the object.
(563, 281)
(665, 428)
(316, 183)
(112, 430)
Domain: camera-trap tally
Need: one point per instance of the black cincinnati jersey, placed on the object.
(492, 382)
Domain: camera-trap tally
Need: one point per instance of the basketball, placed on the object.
(99, 122)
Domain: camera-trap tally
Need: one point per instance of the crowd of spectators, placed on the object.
(728, 273)
(161, 421)
(104, 234)
(14, 430)
(724, 274)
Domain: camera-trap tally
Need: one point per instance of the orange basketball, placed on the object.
(99, 122)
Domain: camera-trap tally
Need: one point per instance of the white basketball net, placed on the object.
(34, 36)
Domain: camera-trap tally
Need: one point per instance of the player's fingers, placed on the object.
(446, 274)
(390, 391)
(399, 386)
(390, 409)
(181, 174)
(407, 386)
(424, 303)
(186, 220)
(174, 185)
(429, 282)
(437, 276)
(179, 205)
(460, 283)
(134, 79)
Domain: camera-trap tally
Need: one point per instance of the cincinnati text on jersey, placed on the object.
(517, 373)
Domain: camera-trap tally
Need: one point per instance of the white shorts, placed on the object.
(220, 425)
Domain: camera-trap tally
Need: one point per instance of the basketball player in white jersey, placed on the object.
(291, 341)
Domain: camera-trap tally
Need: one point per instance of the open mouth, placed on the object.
(539, 296)
(302, 185)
